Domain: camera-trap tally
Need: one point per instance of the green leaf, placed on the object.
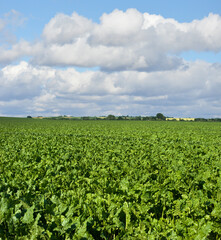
(29, 215)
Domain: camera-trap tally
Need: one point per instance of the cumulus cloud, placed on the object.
(139, 68)
(22, 81)
(63, 29)
(126, 41)
(45, 90)
(117, 28)
(121, 41)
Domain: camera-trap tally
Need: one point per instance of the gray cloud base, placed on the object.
(45, 90)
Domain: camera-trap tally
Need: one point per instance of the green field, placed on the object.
(109, 179)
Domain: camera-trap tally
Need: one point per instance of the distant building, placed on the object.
(180, 119)
(38, 117)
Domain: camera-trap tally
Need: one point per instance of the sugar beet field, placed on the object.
(109, 179)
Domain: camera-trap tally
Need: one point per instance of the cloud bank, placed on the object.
(137, 55)
(43, 90)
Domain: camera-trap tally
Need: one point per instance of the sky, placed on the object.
(95, 58)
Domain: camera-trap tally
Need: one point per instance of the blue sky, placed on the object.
(114, 57)
(180, 10)
(40, 12)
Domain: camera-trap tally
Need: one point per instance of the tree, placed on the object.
(110, 117)
(85, 118)
(120, 118)
(160, 116)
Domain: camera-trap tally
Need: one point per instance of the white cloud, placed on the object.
(121, 41)
(44, 90)
(117, 28)
(209, 29)
(126, 41)
(22, 81)
(63, 29)
(139, 68)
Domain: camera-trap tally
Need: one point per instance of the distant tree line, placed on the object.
(207, 119)
(158, 117)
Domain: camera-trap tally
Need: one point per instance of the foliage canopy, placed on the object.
(109, 180)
